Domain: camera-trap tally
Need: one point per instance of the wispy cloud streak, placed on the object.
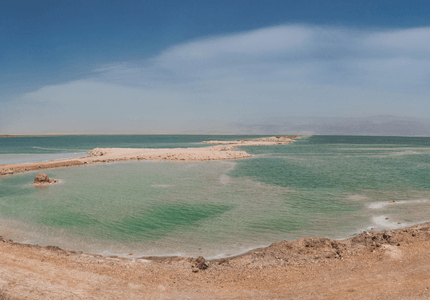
(270, 72)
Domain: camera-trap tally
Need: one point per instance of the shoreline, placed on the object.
(365, 238)
(382, 265)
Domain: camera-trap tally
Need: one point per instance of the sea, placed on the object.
(318, 186)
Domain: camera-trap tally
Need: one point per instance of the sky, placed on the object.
(214, 66)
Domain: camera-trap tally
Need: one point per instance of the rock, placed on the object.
(54, 248)
(387, 234)
(6, 172)
(42, 178)
(98, 152)
(200, 263)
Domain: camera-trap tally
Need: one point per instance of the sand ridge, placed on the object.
(108, 155)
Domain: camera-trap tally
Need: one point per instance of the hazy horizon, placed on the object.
(368, 126)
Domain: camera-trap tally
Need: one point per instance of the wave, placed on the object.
(385, 149)
(357, 197)
(379, 205)
(384, 222)
(161, 185)
(74, 150)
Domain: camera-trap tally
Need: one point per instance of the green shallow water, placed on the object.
(326, 186)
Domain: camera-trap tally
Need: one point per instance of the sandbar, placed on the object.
(222, 150)
(270, 141)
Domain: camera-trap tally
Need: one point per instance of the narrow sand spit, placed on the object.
(274, 140)
(375, 265)
(223, 150)
(107, 155)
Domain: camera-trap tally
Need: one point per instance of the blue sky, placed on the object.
(201, 66)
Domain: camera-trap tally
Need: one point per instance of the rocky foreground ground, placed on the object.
(373, 265)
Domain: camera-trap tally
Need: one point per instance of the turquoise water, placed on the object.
(79, 143)
(325, 186)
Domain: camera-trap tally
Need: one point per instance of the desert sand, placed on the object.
(374, 265)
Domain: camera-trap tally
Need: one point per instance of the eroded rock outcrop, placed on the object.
(200, 263)
(43, 179)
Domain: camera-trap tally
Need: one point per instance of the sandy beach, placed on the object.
(373, 265)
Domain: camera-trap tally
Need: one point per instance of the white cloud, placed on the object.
(276, 71)
(265, 42)
(289, 54)
(413, 42)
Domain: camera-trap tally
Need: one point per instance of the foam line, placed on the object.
(382, 204)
